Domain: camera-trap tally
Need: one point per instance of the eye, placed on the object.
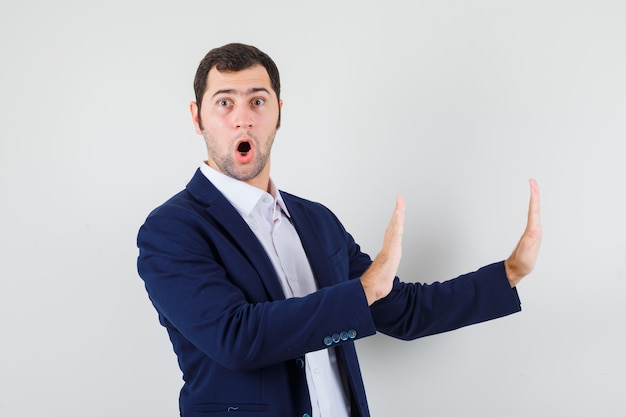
(258, 102)
(224, 102)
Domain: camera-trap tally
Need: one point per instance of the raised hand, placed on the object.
(522, 260)
(377, 281)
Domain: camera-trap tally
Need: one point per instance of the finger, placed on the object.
(395, 228)
(534, 215)
(396, 223)
(400, 210)
(398, 217)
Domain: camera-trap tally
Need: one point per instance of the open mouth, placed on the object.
(243, 148)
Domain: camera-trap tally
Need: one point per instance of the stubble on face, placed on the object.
(239, 123)
(225, 162)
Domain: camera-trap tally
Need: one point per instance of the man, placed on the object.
(263, 293)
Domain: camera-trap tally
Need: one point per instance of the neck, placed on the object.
(260, 181)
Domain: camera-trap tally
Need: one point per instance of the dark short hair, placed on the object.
(231, 58)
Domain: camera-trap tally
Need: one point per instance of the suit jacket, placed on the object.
(240, 344)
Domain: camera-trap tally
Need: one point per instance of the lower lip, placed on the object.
(244, 158)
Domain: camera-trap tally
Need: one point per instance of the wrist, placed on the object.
(513, 277)
(371, 294)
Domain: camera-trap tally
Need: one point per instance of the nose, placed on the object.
(243, 118)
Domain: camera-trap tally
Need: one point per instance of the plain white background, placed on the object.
(454, 104)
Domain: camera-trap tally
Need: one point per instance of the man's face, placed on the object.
(239, 119)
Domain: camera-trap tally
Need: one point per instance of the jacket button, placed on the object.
(344, 336)
(328, 341)
(300, 363)
(306, 415)
(336, 338)
(351, 333)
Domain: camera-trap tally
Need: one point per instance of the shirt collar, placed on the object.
(244, 197)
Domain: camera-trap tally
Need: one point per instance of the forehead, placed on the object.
(242, 81)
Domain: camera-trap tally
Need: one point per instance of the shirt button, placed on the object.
(317, 371)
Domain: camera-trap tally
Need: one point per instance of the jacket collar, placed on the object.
(228, 220)
(233, 225)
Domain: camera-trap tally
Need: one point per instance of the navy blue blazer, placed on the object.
(240, 344)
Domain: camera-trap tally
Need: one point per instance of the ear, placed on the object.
(280, 111)
(195, 117)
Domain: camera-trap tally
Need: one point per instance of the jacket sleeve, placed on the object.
(415, 310)
(212, 300)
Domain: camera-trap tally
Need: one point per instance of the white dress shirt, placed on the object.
(268, 217)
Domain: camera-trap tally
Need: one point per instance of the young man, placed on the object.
(263, 293)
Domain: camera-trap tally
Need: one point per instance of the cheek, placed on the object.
(215, 122)
(271, 119)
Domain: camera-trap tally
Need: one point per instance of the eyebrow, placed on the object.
(234, 91)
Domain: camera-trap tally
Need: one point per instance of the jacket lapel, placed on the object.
(236, 229)
(312, 241)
